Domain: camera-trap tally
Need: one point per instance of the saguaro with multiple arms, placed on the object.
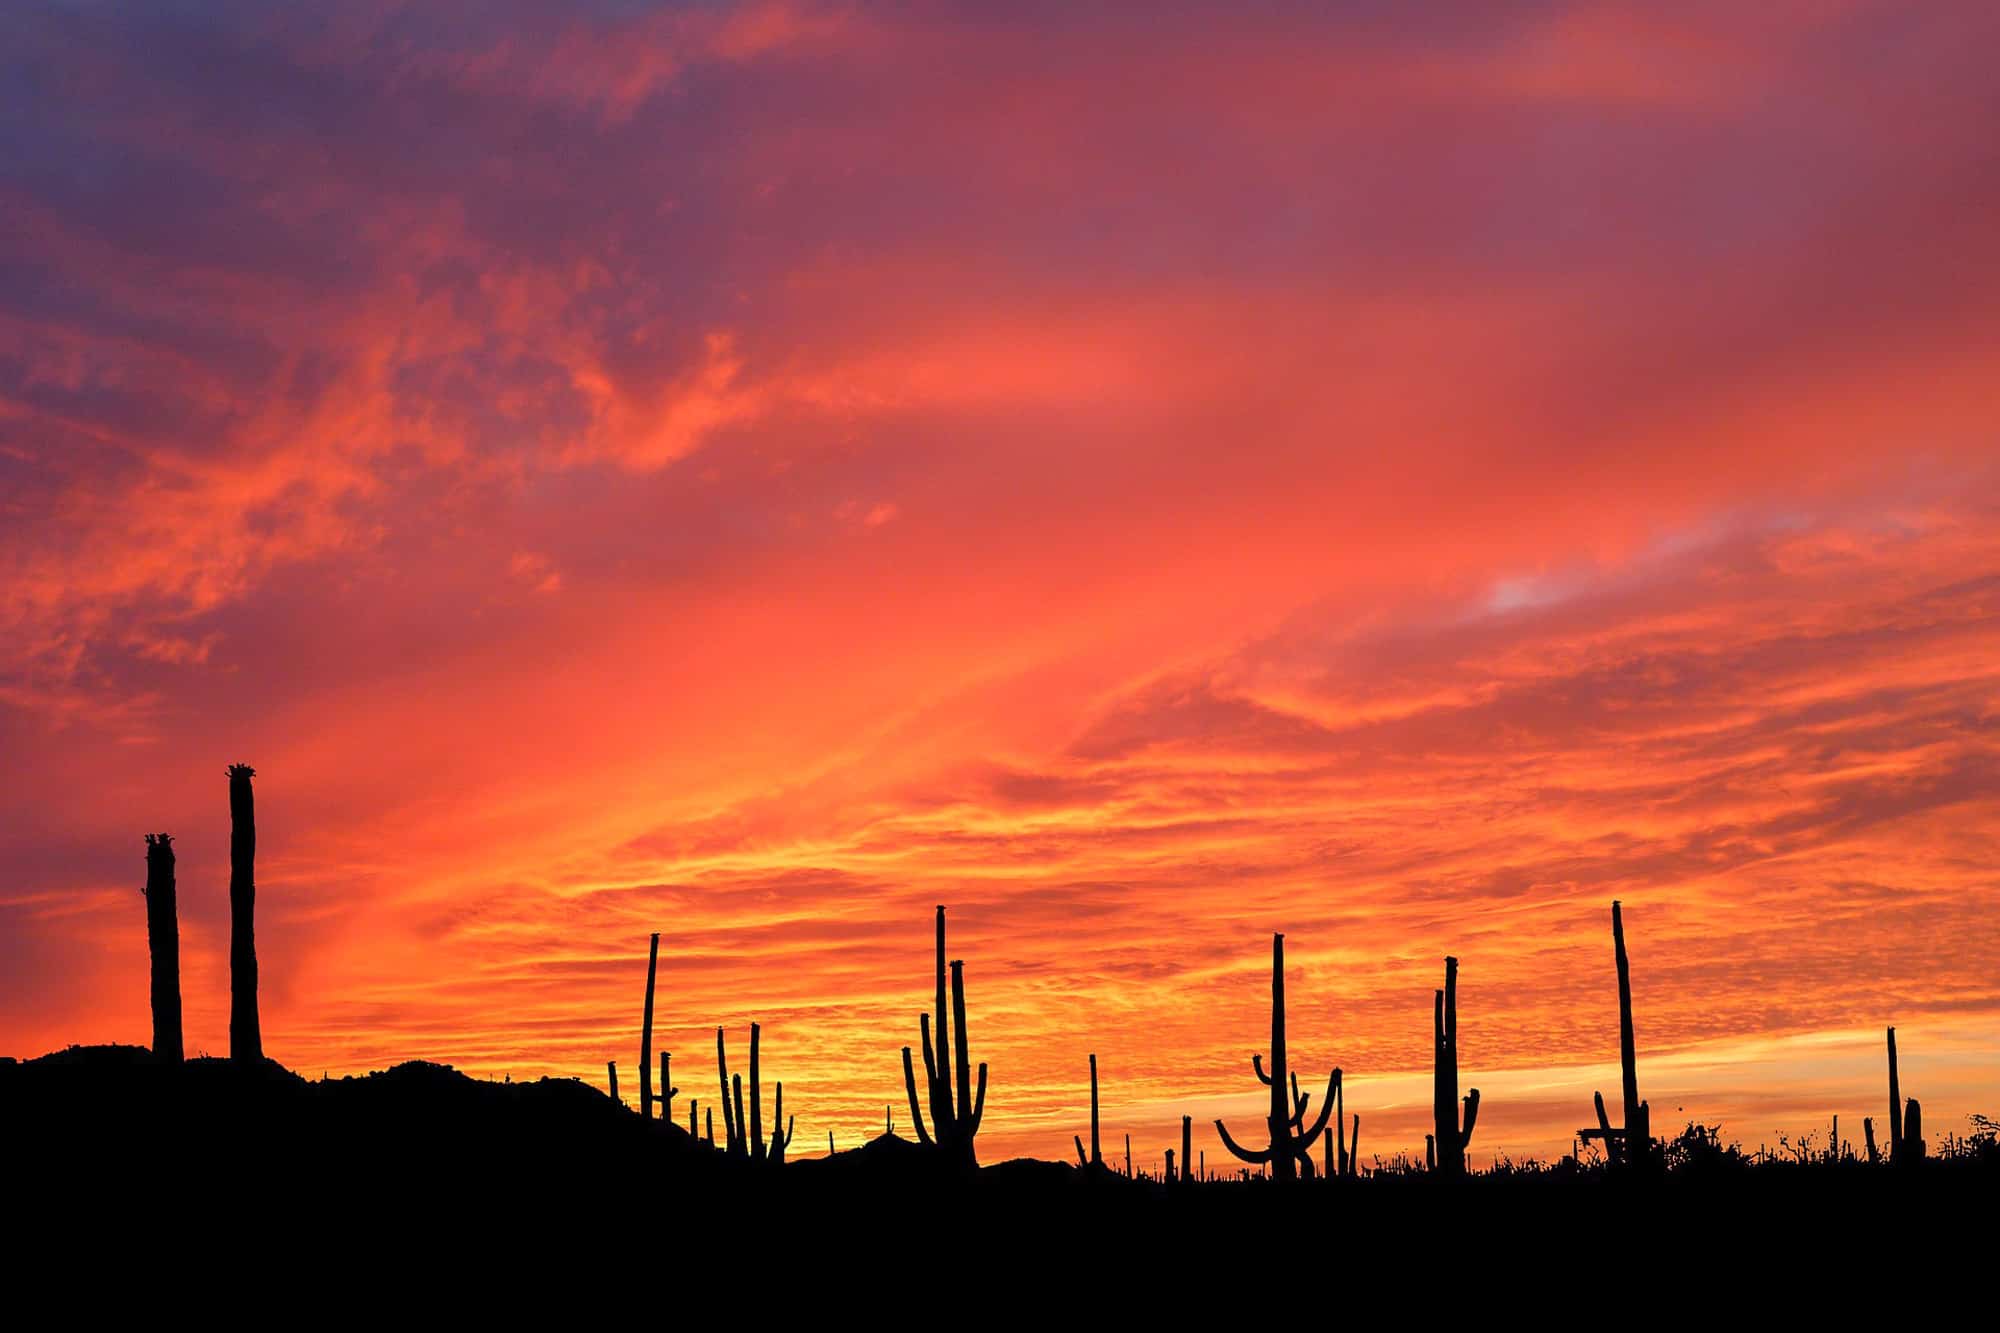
(1452, 1139)
(1290, 1140)
(953, 1124)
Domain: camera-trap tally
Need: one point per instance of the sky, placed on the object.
(1400, 476)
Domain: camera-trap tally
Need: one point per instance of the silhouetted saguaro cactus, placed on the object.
(952, 1125)
(646, 1036)
(611, 1073)
(1634, 1144)
(746, 1136)
(1187, 1148)
(1895, 1104)
(1452, 1139)
(1289, 1140)
(163, 943)
(1906, 1135)
(246, 1037)
(732, 1144)
(667, 1089)
(1096, 1157)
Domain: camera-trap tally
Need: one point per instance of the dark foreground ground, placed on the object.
(495, 1193)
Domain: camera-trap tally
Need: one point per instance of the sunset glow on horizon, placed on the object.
(1401, 478)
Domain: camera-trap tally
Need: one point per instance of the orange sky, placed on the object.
(753, 473)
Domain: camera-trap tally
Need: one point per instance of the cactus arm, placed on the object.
(722, 1071)
(963, 1106)
(755, 1138)
(777, 1153)
(978, 1103)
(940, 1091)
(1471, 1117)
(1257, 1063)
(1305, 1141)
(1245, 1154)
(1354, 1147)
(1081, 1160)
(1604, 1128)
(910, 1086)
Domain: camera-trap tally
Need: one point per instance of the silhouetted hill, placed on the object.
(553, 1169)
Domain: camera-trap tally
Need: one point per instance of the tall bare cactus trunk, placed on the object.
(246, 1036)
(163, 942)
(646, 1036)
(1633, 1145)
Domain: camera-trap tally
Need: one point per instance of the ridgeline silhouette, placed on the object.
(129, 1118)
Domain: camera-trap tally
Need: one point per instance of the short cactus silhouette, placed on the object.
(746, 1137)
(163, 943)
(1290, 1141)
(953, 1125)
(667, 1089)
(1451, 1138)
(1187, 1149)
(246, 1036)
